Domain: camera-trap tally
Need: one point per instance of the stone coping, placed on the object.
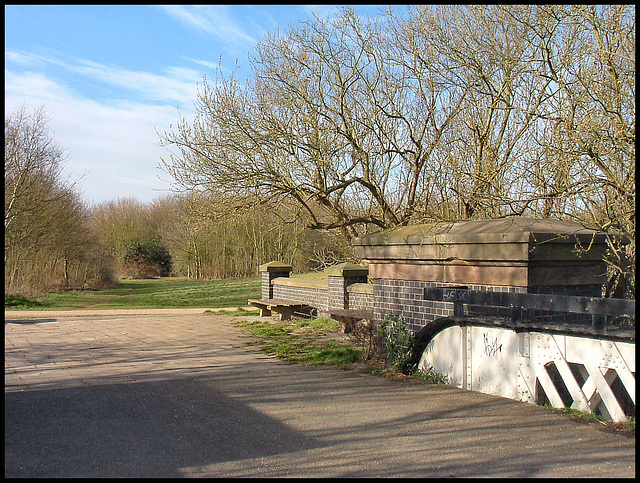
(366, 288)
(347, 270)
(301, 282)
(505, 230)
(275, 266)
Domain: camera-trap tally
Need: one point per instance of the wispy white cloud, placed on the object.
(113, 149)
(214, 20)
(22, 58)
(174, 84)
(189, 17)
(206, 63)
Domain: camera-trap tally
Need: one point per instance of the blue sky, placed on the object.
(109, 76)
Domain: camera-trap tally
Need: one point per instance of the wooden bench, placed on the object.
(351, 317)
(285, 308)
(352, 313)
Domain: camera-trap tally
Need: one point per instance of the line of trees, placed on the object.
(47, 243)
(54, 241)
(195, 237)
(430, 113)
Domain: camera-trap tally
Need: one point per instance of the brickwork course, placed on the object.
(182, 394)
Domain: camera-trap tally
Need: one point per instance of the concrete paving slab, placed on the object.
(183, 395)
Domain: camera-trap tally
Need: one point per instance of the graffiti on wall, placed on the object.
(491, 347)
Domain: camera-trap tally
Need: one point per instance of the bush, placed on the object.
(146, 259)
(397, 343)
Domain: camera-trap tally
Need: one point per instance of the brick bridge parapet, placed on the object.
(517, 255)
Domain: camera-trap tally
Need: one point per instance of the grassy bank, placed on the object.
(150, 293)
(303, 341)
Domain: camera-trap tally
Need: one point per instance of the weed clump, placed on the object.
(390, 347)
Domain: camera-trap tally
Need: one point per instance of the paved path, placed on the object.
(169, 395)
(43, 314)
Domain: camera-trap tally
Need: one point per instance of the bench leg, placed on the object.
(285, 312)
(264, 309)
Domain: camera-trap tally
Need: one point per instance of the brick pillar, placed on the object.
(270, 271)
(340, 277)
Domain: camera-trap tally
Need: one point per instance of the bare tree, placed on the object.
(324, 122)
(31, 165)
(429, 113)
(588, 54)
(46, 235)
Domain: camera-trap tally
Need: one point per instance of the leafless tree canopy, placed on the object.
(430, 113)
(46, 242)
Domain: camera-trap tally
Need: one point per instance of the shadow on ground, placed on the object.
(147, 429)
(27, 321)
(184, 396)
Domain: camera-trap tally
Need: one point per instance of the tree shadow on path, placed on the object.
(146, 429)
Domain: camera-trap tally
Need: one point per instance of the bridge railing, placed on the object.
(521, 307)
(564, 364)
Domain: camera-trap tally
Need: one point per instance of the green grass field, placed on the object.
(153, 293)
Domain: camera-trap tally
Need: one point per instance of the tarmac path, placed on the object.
(179, 394)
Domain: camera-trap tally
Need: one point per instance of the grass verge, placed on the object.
(303, 341)
(18, 302)
(239, 312)
(321, 342)
(627, 428)
(163, 292)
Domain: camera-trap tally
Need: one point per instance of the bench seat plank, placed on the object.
(285, 308)
(352, 313)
